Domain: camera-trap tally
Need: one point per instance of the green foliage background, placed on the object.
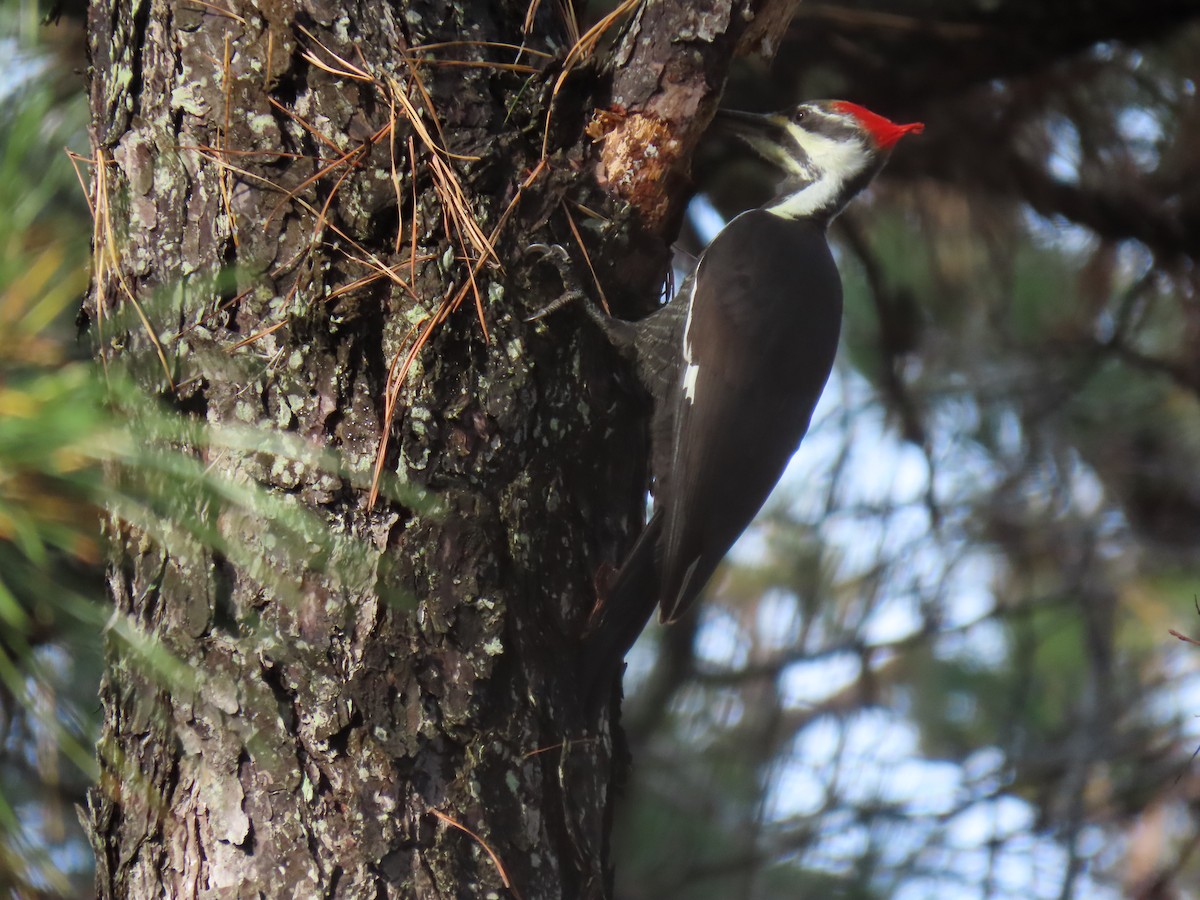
(942, 665)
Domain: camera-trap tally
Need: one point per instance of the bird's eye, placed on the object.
(798, 117)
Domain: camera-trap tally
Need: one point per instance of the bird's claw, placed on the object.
(557, 256)
(550, 250)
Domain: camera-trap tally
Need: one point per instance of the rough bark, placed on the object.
(379, 718)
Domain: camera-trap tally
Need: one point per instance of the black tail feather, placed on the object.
(621, 616)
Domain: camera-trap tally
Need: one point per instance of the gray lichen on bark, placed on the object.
(315, 696)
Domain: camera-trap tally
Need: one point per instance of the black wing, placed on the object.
(764, 348)
(762, 334)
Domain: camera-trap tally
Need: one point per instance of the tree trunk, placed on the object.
(294, 200)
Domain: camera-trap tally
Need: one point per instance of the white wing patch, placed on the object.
(690, 374)
(693, 368)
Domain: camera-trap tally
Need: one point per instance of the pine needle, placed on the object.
(107, 263)
(586, 258)
(580, 51)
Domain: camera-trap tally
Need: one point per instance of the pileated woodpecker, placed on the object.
(735, 365)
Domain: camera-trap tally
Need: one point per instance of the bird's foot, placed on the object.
(620, 334)
(557, 256)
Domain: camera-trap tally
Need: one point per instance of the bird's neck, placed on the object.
(821, 194)
(819, 200)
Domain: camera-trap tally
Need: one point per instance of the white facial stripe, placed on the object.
(786, 162)
(829, 166)
(826, 153)
(807, 201)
